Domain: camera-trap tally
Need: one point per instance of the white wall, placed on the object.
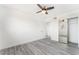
(19, 27)
(52, 29)
(20, 24)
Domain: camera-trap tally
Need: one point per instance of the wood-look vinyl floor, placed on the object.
(42, 47)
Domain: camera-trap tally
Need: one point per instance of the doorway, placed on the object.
(73, 30)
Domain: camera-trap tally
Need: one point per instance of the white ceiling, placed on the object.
(64, 8)
(59, 8)
(31, 9)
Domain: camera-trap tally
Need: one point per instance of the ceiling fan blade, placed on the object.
(49, 8)
(39, 6)
(39, 11)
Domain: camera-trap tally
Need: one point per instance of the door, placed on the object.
(73, 29)
(63, 31)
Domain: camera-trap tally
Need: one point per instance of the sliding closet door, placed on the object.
(63, 30)
(73, 30)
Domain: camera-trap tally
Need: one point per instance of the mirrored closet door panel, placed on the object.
(63, 30)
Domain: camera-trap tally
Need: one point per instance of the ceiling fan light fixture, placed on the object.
(46, 12)
(43, 11)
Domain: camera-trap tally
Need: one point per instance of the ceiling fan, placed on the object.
(44, 8)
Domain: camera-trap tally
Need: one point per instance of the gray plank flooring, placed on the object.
(42, 47)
